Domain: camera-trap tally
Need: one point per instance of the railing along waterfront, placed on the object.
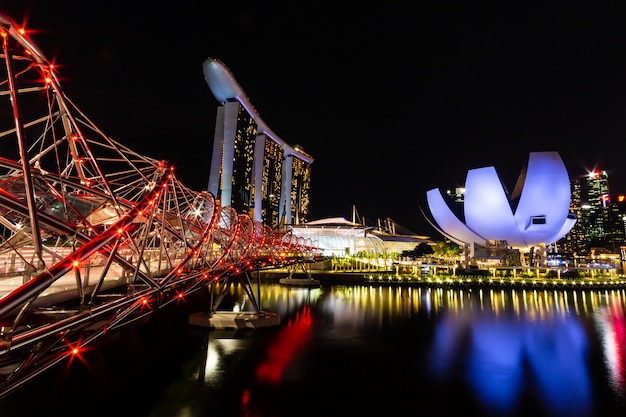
(615, 281)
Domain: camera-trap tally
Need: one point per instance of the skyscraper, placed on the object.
(597, 197)
(600, 217)
(252, 169)
(574, 243)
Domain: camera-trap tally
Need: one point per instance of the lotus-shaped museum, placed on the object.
(537, 213)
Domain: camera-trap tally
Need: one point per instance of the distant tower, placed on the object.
(615, 222)
(600, 217)
(252, 169)
(597, 199)
(575, 242)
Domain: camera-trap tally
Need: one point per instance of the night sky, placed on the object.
(390, 99)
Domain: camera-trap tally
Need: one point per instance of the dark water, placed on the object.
(358, 351)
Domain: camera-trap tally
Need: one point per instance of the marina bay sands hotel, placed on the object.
(252, 169)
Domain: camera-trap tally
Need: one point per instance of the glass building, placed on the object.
(252, 169)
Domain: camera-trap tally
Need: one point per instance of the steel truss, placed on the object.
(94, 236)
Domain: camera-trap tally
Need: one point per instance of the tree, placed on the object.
(421, 250)
(447, 250)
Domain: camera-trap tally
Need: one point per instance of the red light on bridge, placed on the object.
(75, 264)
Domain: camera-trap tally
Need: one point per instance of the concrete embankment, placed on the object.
(325, 277)
(388, 278)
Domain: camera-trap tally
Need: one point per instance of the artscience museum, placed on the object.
(492, 223)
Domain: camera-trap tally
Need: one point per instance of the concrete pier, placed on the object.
(300, 282)
(237, 320)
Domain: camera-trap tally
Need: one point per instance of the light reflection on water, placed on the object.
(504, 345)
(362, 350)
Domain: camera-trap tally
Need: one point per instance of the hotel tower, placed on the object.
(252, 169)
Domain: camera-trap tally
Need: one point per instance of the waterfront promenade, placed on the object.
(597, 281)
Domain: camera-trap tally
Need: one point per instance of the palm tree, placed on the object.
(447, 251)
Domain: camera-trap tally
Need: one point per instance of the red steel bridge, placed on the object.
(94, 236)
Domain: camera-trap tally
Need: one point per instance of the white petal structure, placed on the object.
(541, 217)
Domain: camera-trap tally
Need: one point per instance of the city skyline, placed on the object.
(390, 103)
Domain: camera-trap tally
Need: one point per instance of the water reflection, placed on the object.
(288, 343)
(509, 350)
(610, 326)
(501, 351)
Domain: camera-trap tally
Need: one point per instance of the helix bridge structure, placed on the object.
(95, 236)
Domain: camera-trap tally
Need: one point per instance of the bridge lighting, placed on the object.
(75, 264)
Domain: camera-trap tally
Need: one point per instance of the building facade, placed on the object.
(252, 169)
(601, 216)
